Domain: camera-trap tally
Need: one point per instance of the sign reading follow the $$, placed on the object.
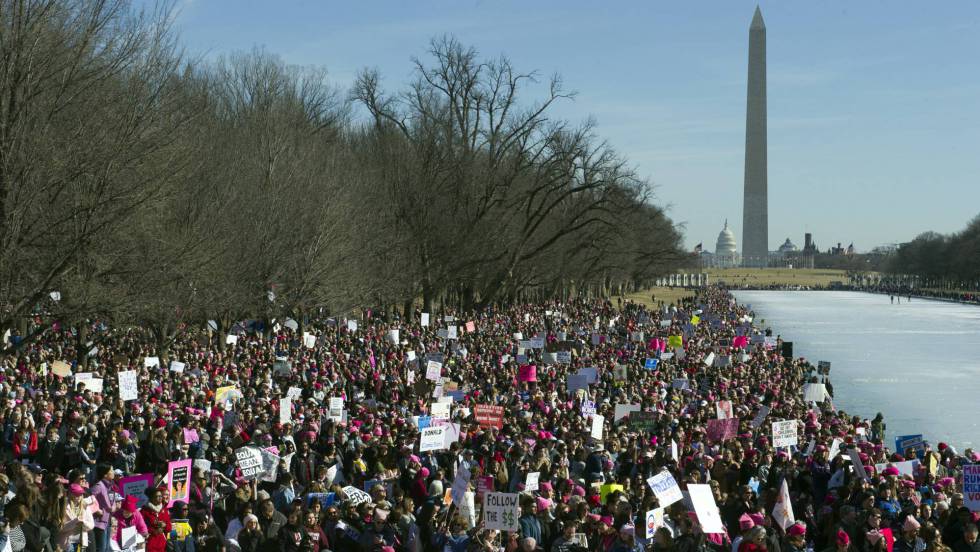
(500, 511)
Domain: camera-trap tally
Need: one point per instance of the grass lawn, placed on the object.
(745, 276)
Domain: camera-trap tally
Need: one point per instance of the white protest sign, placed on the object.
(655, 520)
(907, 467)
(285, 410)
(500, 511)
(666, 488)
(706, 508)
(623, 410)
(673, 451)
(249, 460)
(352, 325)
(177, 367)
(814, 392)
(291, 324)
(441, 410)
(859, 470)
(460, 485)
(128, 388)
(783, 511)
(452, 332)
(425, 319)
(294, 392)
(531, 481)
(356, 496)
(309, 340)
(709, 360)
(784, 434)
(433, 370)
(94, 385)
(971, 487)
(231, 339)
(597, 422)
(834, 449)
(150, 362)
(432, 438)
(393, 337)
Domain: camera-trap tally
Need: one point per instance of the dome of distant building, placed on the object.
(788, 247)
(726, 242)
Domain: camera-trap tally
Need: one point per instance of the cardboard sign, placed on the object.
(433, 370)
(136, 485)
(249, 461)
(128, 385)
(719, 431)
(706, 508)
(597, 424)
(665, 487)
(501, 511)
(432, 438)
(971, 487)
(814, 392)
(179, 481)
(784, 434)
(531, 481)
(527, 373)
(488, 415)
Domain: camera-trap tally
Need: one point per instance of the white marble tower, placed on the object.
(755, 208)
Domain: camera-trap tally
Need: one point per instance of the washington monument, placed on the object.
(755, 209)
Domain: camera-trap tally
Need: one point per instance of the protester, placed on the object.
(338, 465)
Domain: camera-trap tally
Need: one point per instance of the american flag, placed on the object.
(697, 248)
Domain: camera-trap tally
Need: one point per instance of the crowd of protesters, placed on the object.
(355, 479)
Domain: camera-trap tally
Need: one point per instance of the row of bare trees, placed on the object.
(147, 189)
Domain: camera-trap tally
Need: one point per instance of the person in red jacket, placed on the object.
(25, 442)
(157, 520)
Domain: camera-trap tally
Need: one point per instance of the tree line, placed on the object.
(145, 188)
(949, 261)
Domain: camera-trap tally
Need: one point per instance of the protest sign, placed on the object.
(440, 410)
(784, 434)
(706, 508)
(136, 485)
(814, 392)
(655, 520)
(592, 372)
(128, 388)
(607, 489)
(597, 423)
(905, 443)
(488, 415)
(577, 381)
(675, 341)
(971, 487)
(642, 421)
(177, 367)
(531, 481)
(309, 340)
(60, 368)
(460, 485)
(760, 417)
(179, 481)
(231, 339)
(355, 496)
(665, 487)
(588, 408)
(680, 383)
(285, 410)
(621, 372)
(723, 409)
(563, 357)
(907, 467)
(432, 438)
(623, 410)
(527, 373)
(856, 464)
(500, 511)
(651, 363)
(249, 461)
(452, 332)
(433, 370)
(674, 453)
(190, 435)
(470, 327)
(150, 362)
(709, 360)
(393, 336)
(823, 367)
(484, 485)
(719, 431)
(425, 319)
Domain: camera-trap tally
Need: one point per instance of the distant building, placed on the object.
(849, 250)
(726, 250)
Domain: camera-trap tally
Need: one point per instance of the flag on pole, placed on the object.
(783, 512)
(697, 248)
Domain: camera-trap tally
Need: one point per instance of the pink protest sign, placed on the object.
(527, 373)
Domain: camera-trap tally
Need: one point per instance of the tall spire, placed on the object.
(755, 209)
(757, 22)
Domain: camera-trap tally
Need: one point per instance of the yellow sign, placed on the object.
(675, 341)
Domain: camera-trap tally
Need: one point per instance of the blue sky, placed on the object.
(874, 107)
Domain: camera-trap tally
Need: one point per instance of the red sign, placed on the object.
(722, 430)
(489, 415)
(484, 485)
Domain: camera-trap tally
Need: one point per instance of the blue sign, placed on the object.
(905, 442)
(651, 364)
(425, 421)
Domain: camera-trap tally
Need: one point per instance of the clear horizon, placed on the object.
(873, 109)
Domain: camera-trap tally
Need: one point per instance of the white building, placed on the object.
(726, 250)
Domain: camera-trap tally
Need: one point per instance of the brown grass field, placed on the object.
(745, 276)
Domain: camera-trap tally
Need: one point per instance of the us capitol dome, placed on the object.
(726, 253)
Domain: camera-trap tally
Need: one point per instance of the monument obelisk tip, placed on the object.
(757, 22)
